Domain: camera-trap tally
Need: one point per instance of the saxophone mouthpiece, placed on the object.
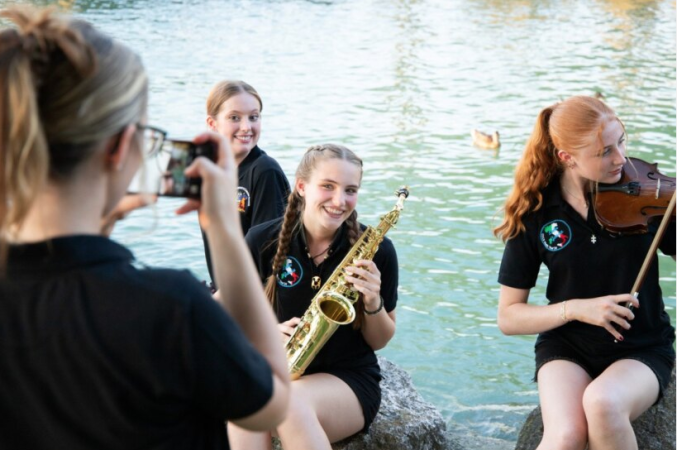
(404, 190)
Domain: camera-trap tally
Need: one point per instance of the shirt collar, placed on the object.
(552, 194)
(253, 154)
(339, 241)
(64, 253)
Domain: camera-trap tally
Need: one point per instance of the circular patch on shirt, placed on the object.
(291, 273)
(555, 235)
(242, 199)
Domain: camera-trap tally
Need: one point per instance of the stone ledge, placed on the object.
(404, 422)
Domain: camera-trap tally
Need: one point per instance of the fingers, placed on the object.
(614, 332)
(224, 157)
(366, 279)
(190, 205)
(126, 205)
(617, 316)
(365, 270)
(287, 328)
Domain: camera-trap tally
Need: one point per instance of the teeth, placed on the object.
(334, 211)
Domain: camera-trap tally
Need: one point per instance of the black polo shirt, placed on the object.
(347, 347)
(99, 354)
(585, 261)
(261, 195)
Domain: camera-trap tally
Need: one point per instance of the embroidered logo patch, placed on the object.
(242, 199)
(555, 235)
(291, 273)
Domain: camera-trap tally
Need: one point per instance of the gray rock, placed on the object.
(655, 429)
(404, 422)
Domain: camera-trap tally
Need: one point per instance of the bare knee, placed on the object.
(604, 408)
(568, 436)
(300, 411)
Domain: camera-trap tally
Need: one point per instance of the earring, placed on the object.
(570, 164)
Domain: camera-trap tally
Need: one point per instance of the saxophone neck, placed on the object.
(391, 218)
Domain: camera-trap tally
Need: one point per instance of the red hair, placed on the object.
(570, 126)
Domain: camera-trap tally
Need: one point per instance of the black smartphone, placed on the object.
(163, 174)
(181, 155)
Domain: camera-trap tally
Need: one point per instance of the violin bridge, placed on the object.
(658, 188)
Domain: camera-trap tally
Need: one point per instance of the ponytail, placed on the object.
(539, 164)
(64, 89)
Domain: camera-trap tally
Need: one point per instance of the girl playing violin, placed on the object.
(599, 365)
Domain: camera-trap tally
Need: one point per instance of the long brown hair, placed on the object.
(295, 206)
(571, 126)
(64, 89)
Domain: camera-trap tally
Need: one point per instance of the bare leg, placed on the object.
(619, 395)
(323, 409)
(241, 439)
(560, 388)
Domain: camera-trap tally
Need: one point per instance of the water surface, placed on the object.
(402, 82)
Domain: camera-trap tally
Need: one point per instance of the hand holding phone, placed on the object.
(174, 182)
(164, 173)
(218, 202)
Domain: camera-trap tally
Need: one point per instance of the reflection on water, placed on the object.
(402, 82)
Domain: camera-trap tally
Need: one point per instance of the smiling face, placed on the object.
(330, 195)
(239, 120)
(602, 160)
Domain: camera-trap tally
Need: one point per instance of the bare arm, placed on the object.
(241, 293)
(515, 316)
(378, 328)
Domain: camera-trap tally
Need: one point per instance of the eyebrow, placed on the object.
(234, 111)
(329, 180)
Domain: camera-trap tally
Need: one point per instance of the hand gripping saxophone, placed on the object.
(333, 304)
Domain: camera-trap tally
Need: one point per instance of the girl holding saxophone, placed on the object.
(599, 365)
(339, 394)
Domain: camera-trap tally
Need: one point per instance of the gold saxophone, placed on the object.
(333, 304)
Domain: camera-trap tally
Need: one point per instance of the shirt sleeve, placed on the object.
(386, 261)
(270, 201)
(232, 379)
(521, 262)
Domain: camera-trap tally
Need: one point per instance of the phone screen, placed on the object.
(164, 175)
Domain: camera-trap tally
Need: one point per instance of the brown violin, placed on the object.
(641, 196)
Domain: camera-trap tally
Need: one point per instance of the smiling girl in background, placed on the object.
(599, 365)
(234, 111)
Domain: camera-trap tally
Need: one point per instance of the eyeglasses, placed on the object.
(153, 138)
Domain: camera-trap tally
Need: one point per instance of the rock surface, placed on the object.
(655, 429)
(404, 422)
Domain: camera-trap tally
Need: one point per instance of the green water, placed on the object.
(402, 82)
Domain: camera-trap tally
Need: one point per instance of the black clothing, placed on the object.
(97, 353)
(594, 363)
(585, 261)
(262, 194)
(346, 351)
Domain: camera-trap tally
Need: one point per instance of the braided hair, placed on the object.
(291, 222)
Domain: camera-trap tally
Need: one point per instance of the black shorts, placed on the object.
(659, 359)
(365, 383)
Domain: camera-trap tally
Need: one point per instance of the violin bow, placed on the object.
(652, 250)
